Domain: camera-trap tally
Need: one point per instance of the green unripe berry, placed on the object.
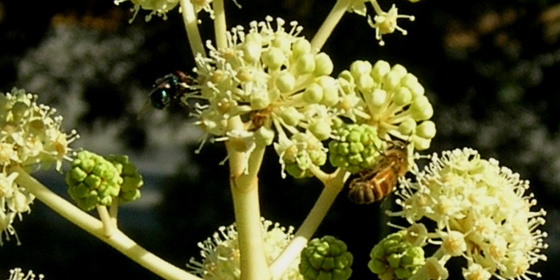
(132, 180)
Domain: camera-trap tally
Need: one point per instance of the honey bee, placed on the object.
(378, 182)
(259, 118)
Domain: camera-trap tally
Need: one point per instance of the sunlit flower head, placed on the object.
(270, 76)
(481, 212)
(31, 136)
(220, 253)
(388, 98)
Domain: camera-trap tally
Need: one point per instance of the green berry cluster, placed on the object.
(132, 180)
(93, 180)
(395, 258)
(355, 148)
(299, 153)
(326, 259)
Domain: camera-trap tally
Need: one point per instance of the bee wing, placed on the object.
(146, 108)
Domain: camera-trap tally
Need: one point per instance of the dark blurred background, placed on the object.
(490, 69)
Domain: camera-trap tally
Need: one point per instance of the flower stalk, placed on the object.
(117, 239)
(191, 26)
(329, 24)
(333, 186)
(245, 192)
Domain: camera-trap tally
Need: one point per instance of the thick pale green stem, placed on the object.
(333, 186)
(329, 24)
(117, 239)
(220, 26)
(191, 25)
(245, 191)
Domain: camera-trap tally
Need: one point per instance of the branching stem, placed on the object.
(117, 240)
(333, 186)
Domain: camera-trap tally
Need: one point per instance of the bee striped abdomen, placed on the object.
(364, 191)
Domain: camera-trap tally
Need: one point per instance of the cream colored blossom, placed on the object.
(220, 253)
(481, 212)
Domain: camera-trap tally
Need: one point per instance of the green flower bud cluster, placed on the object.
(93, 180)
(395, 258)
(299, 153)
(132, 180)
(388, 98)
(326, 259)
(355, 148)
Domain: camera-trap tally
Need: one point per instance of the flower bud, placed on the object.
(324, 65)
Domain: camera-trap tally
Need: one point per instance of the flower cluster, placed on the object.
(273, 80)
(94, 180)
(326, 258)
(389, 99)
(31, 138)
(480, 211)
(221, 252)
(355, 148)
(395, 257)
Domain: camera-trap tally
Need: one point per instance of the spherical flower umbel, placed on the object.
(355, 147)
(481, 212)
(270, 77)
(395, 258)
(93, 180)
(326, 258)
(220, 253)
(31, 136)
(389, 99)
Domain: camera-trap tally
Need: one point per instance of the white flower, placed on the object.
(17, 274)
(220, 254)
(30, 135)
(270, 77)
(481, 212)
(158, 7)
